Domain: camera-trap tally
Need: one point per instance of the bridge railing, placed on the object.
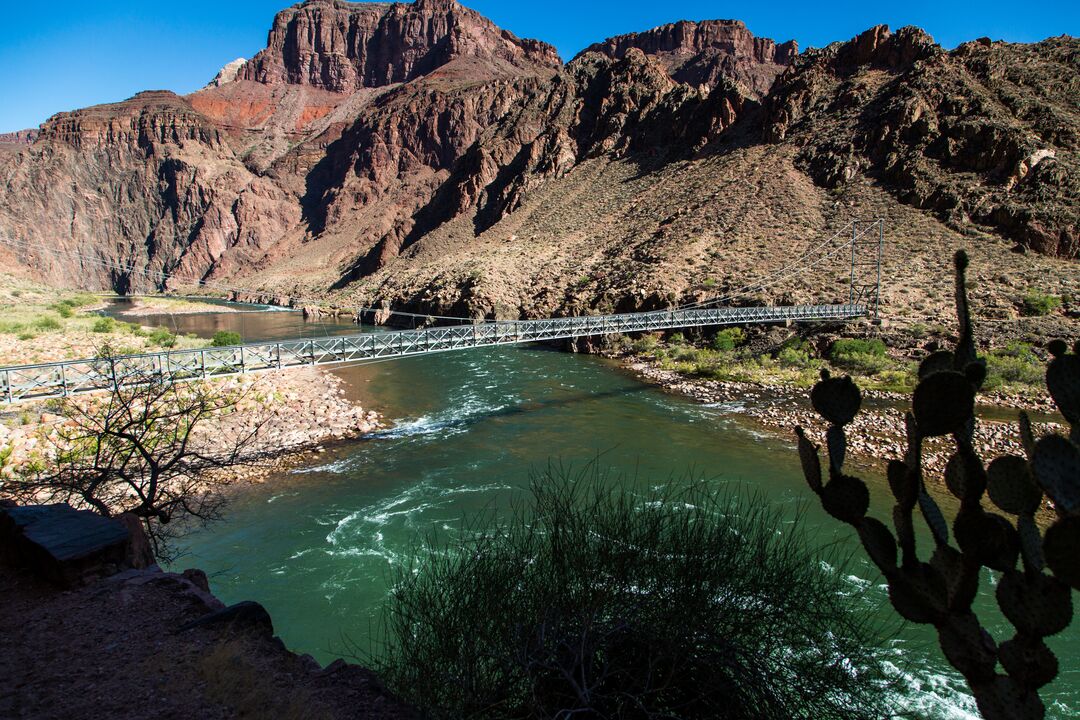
(60, 379)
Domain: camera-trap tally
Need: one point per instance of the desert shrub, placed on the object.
(225, 338)
(64, 310)
(645, 344)
(163, 338)
(1014, 364)
(861, 356)
(104, 325)
(677, 339)
(796, 353)
(600, 603)
(728, 339)
(46, 323)
(1037, 304)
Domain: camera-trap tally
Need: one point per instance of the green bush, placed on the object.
(859, 356)
(796, 353)
(1037, 304)
(645, 344)
(163, 338)
(728, 339)
(225, 338)
(597, 603)
(46, 323)
(104, 325)
(63, 309)
(1015, 364)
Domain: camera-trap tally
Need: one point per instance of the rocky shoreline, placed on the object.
(300, 411)
(876, 436)
(162, 305)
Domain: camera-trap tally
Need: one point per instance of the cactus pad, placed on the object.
(1036, 604)
(1061, 547)
(919, 594)
(940, 361)
(1011, 486)
(990, 539)
(965, 476)
(943, 403)
(879, 543)
(836, 399)
(846, 498)
(1057, 470)
(1063, 382)
(1028, 661)
(811, 461)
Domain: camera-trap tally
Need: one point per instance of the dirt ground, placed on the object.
(112, 650)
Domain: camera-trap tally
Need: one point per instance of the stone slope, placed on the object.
(987, 135)
(466, 170)
(702, 53)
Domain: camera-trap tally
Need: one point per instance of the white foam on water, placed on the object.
(454, 420)
(337, 467)
(729, 406)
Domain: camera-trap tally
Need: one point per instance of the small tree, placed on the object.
(144, 448)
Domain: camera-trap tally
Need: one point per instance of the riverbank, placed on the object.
(297, 412)
(877, 434)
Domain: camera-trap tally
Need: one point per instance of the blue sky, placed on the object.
(60, 55)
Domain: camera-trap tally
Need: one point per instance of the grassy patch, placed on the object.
(865, 357)
(1015, 365)
(1037, 304)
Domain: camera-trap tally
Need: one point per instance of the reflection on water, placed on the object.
(318, 545)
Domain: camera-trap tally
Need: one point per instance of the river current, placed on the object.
(318, 545)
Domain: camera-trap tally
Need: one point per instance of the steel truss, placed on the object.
(60, 379)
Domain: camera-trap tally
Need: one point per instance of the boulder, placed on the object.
(67, 546)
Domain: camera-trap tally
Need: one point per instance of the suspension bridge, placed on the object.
(72, 377)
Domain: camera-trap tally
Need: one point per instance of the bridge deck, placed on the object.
(60, 379)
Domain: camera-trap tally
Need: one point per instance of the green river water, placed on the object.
(317, 546)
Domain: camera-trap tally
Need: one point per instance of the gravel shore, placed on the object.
(877, 434)
(300, 411)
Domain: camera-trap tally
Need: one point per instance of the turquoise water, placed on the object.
(316, 546)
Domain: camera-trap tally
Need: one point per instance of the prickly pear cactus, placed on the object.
(995, 527)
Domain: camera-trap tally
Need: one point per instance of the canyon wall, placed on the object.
(417, 154)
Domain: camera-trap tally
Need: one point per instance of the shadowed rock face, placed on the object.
(392, 145)
(704, 52)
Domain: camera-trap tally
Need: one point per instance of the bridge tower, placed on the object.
(867, 248)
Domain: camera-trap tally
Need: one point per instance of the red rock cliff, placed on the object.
(342, 46)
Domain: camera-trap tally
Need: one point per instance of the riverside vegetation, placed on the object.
(940, 592)
(595, 601)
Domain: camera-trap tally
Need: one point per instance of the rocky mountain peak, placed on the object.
(343, 46)
(700, 53)
(228, 73)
